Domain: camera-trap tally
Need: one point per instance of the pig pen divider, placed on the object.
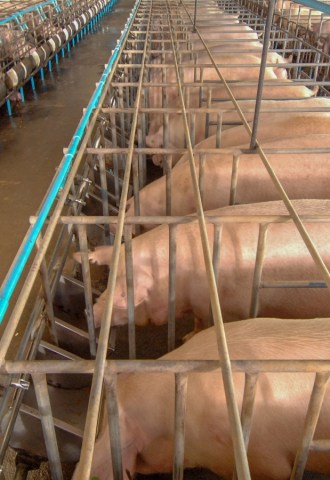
(32, 37)
(251, 368)
(124, 127)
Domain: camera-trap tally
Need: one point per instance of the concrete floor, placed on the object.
(32, 140)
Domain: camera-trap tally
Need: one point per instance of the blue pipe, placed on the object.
(21, 91)
(316, 5)
(9, 107)
(22, 257)
(26, 10)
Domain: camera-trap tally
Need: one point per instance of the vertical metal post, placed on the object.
(21, 91)
(9, 110)
(136, 189)
(47, 422)
(314, 408)
(88, 287)
(258, 269)
(171, 286)
(168, 176)
(181, 383)
(262, 73)
(115, 156)
(250, 388)
(48, 295)
(130, 290)
(114, 429)
(195, 16)
(217, 233)
(104, 195)
(201, 176)
(234, 178)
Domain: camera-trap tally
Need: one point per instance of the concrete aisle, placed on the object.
(32, 141)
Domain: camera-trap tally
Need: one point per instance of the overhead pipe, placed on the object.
(25, 250)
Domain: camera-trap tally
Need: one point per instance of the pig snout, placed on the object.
(154, 140)
(100, 256)
(157, 160)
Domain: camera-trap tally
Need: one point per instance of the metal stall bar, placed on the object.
(314, 408)
(235, 425)
(48, 427)
(87, 449)
(84, 367)
(88, 288)
(181, 385)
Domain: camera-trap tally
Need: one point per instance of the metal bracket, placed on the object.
(23, 384)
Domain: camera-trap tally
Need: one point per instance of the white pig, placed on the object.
(146, 406)
(286, 258)
(274, 127)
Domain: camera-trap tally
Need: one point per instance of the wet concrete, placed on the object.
(32, 140)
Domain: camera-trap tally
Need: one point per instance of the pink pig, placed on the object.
(286, 258)
(146, 406)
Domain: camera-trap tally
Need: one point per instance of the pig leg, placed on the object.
(101, 255)
(132, 442)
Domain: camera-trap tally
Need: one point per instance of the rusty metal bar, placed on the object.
(271, 7)
(263, 227)
(130, 290)
(234, 178)
(88, 287)
(47, 422)
(84, 367)
(181, 385)
(209, 218)
(113, 423)
(47, 294)
(314, 408)
(250, 389)
(171, 286)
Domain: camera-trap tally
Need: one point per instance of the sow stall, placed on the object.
(106, 162)
(34, 34)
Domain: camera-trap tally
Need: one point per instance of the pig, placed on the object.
(286, 258)
(13, 45)
(176, 135)
(271, 91)
(302, 176)
(214, 34)
(146, 406)
(250, 73)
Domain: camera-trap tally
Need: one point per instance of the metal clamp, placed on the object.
(21, 383)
